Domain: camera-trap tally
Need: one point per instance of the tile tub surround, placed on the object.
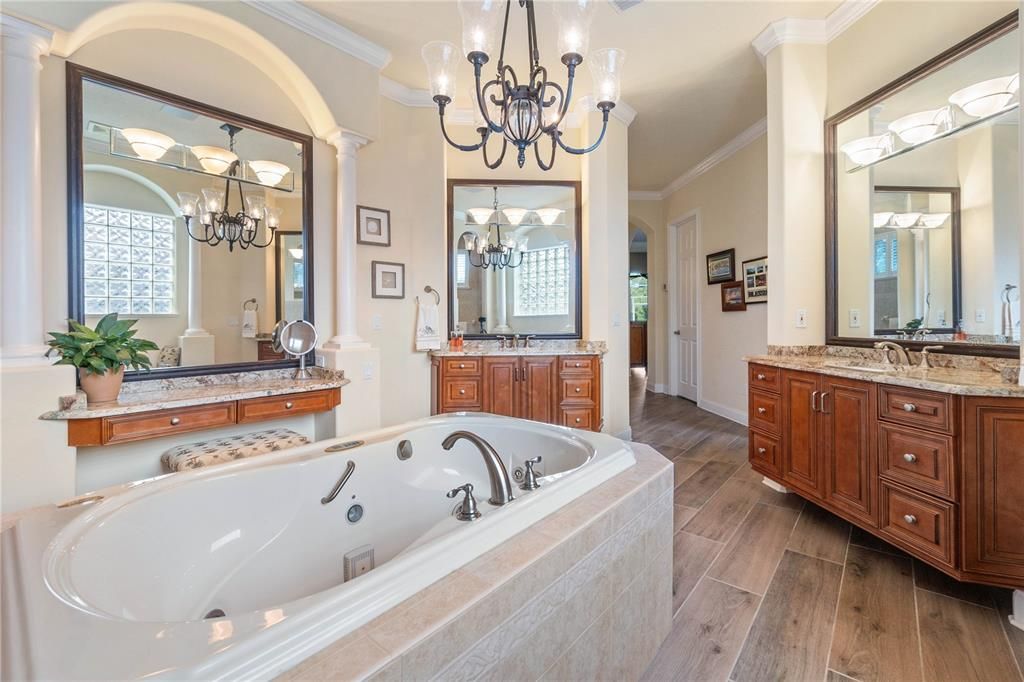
(145, 396)
(584, 594)
(537, 347)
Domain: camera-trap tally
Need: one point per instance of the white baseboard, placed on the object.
(738, 416)
(656, 388)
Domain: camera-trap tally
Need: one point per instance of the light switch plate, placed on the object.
(979, 315)
(320, 360)
(367, 371)
(377, 322)
(854, 318)
(801, 318)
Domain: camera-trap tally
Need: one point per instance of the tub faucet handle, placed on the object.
(530, 476)
(467, 511)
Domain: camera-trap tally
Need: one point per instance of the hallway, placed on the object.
(767, 587)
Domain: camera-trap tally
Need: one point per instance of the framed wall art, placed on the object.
(754, 275)
(388, 279)
(732, 297)
(373, 226)
(722, 266)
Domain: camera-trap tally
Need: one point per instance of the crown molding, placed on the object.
(846, 15)
(403, 94)
(29, 33)
(811, 31)
(316, 25)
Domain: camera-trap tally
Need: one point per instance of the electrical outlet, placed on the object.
(367, 371)
(377, 322)
(320, 360)
(854, 318)
(617, 320)
(979, 315)
(801, 318)
(941, 316)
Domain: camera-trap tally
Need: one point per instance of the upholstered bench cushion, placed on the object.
(222, 450)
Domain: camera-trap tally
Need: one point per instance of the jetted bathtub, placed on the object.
(135, 584)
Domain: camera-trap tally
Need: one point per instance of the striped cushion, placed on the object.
(223, 450)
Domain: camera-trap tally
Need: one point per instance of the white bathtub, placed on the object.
(119, 588)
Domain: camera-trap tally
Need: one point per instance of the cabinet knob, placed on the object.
(761, 451)
(462, 391)
(910, 518)
(175, 421)
(761, 377)
(289, 405)
(578, 420)
(578, 389)
(909, 457)
(462, 365)
(577, 364)
(761, 410)
(909, 407)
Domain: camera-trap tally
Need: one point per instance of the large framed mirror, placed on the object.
(514, 260)
(922, 206)
(193, 220)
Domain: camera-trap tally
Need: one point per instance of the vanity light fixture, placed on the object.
(480, 216)
(987, 97)
(522, 112)
(904, 220)
(296, 253)
(882, 219)
(214, 160)
(868, 149)
(269, 172)
(922, 126)
(548, 216)
(148, 144)
(514, 215)
(490, 250)
(932, 220)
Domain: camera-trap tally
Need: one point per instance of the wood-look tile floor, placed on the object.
(768, 587)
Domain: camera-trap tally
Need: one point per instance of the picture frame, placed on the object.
(387, 279)
(373, 226)
(754, 275)
(721, 266)
(732, 297)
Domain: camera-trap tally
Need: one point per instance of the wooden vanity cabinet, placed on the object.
(556, 389)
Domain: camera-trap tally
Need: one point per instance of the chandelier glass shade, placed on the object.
(530, 112)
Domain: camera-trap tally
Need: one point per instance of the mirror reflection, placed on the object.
(514, 259)
(191, 224)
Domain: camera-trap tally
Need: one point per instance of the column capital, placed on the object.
(22, 38)
(346, 141)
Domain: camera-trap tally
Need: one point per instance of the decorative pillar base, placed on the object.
(360, 408)
(774, 486)
(351, 342)
(501, 329)
(26, 354)
(196, 332)
(1017, 617)
(197, 350)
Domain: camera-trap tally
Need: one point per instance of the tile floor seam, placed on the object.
(697, 582)
(917, 619)
(839, 596)
(845, 677)
(949, 596)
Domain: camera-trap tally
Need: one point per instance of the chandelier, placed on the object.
(213, 211)
(490, 250)
(523, 113)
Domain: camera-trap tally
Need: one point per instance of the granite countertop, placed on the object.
(202, 390)
(955, 380)
(537, 347)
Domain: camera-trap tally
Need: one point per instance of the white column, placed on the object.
(501, 304)
(21, 232)
(195, 289)
(346, 334)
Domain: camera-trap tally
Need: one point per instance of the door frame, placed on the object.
(672, 385)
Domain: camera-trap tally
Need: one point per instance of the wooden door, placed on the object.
(688, 286)
(993, 495)
(801, 451)
(847, 412)
(538, 391)
(500, 385)
(637, 344)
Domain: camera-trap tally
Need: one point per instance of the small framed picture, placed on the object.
(722, 266)
(373, 226)
(388, 279)
(732, 296)
(754, 275)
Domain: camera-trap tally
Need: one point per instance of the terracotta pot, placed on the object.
(101, 388)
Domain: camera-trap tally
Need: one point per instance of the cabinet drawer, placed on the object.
(577, 364)
(165, 422)
(281, 406)
(577, 390)
(764, 451)
(919, 522)
(461, 366)
(924, 461)
(764, 377)
(923, 409)
(579, 418)
(461, 393)
(765, 411)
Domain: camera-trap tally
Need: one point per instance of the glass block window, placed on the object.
(542, 282)
(129, 262)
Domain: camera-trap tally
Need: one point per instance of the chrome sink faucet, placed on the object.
(902, 357)
(501, 484)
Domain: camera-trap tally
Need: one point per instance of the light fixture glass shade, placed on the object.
(257, 204)
(481, 25)
(882, 219)
(147, 144)
(296, 253)
(214, 159)
(868, 149)
(606, 70)
(213, 200)
(480, 216)
(572, 21)
(514, 215)
(548, 216)
(269, 172)
(987, 97)
(905, 219)
(188, 203)
(922, 126)
(441, 59)
(932, 220)
(273, 217)
(469, 240)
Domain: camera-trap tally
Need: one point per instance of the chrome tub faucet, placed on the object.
(501, 484)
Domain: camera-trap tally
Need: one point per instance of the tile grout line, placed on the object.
(839, 597)
(949, 596)
(917, 619)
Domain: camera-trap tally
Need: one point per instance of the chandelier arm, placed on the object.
(270, 241)
(481, 96)
(575, 150)
(536, 151)
(462, 147)
(497, 162)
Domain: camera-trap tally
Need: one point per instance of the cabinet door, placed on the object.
(992, 509)
(538, 378)
(500, 386)
(847, 414)
(801, 456)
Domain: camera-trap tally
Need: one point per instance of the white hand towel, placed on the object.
(428, 331)
(250, 323)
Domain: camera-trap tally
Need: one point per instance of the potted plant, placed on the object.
(101, 354)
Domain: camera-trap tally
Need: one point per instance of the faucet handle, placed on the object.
(526, 341)
(467, 511)
(530, 476)
(925, 352)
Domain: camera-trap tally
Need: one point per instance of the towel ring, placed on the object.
(431, 290)
(252, 301)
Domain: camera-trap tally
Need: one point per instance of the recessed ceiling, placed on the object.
(690, 71)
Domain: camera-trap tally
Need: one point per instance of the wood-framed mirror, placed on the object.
(514, 258)
(206, 291)
(923, 229)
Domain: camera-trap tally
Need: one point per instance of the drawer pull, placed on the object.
(462, 391)
(909, 407)
(175, 421)
(578, 420)
(909, 457)
(761, 410)
(761, 377)
(577, 364)
(289, 405)
(761, 451)
(462, 365)
(578, 389)
(910, 518)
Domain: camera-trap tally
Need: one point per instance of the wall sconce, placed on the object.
(147, 144)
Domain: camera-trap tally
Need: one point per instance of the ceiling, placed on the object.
(690, 71)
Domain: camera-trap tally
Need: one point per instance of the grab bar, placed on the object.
(340, 484)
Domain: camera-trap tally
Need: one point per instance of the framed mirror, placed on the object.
(194, 220)
(514, 259)
(922, 215)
